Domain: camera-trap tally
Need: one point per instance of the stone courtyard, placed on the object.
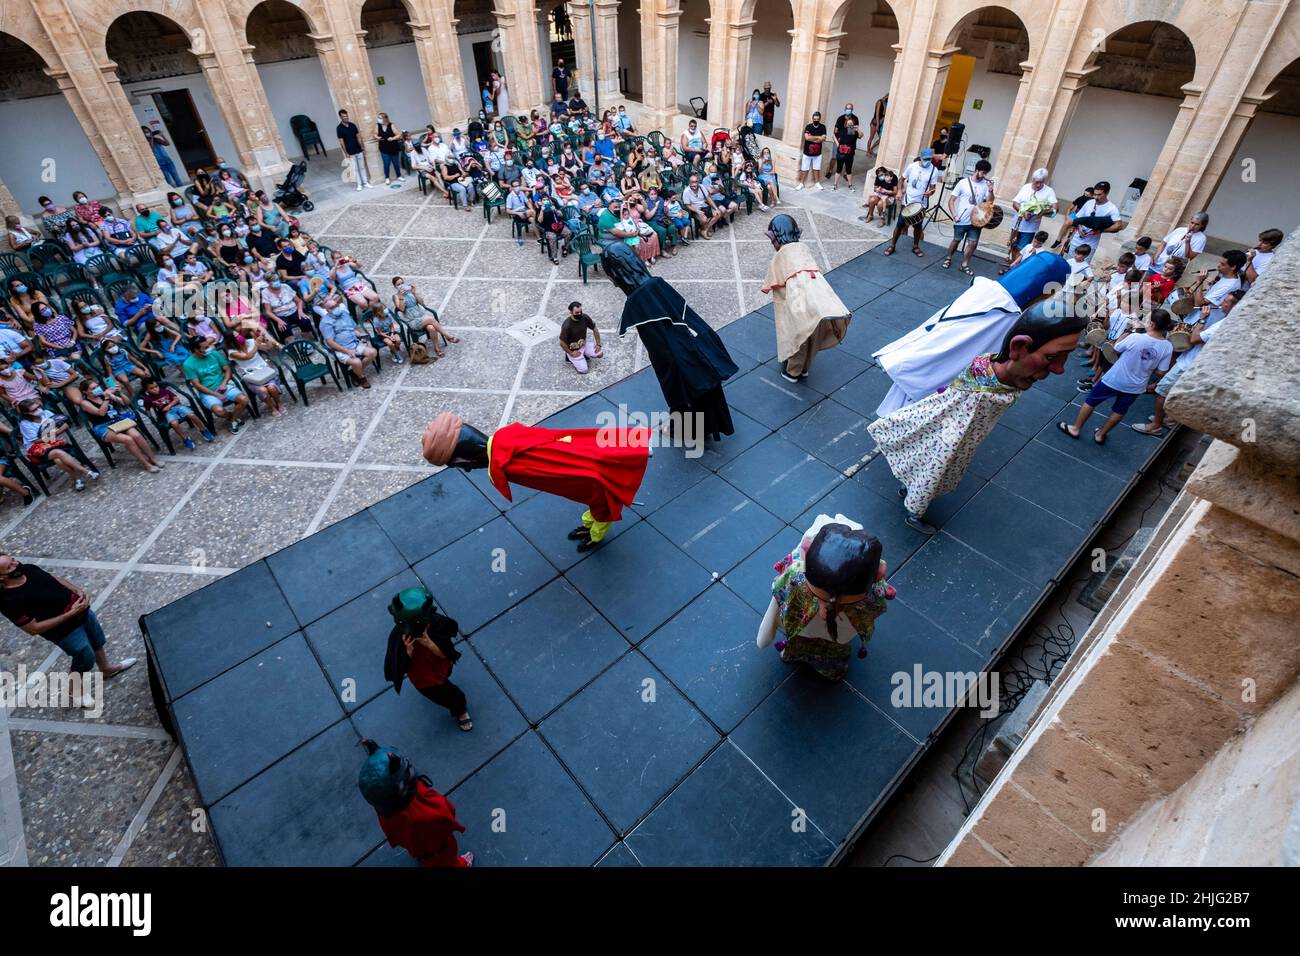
(114, 789)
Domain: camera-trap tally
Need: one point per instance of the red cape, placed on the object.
(426, 829)
(600, 467)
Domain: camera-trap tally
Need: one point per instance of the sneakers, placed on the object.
(160, 463)
(94, 475)
(398, 359)
(359, 187)
(798, 185)
(369, 186)
(152, 470)
(820, 186)
(189, 443)
(79, 485)
(236, 425)
(208, 436)
(764, 207)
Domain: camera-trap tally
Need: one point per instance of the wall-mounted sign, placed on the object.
(977, 105)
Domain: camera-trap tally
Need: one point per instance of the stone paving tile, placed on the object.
(173, 834)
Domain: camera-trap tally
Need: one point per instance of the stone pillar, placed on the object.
(518, 22)
(90, 85)
(440, 64)
(1208, 128)
(812, 72)
(1199, 640)
(346, 63)
(580, 20)
(660, 20)
(8, 205)
(607, 58)
(728, 67)
(228, 66)
(913, 93)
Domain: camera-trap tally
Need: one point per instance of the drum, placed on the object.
(1180, 338)
(986, 216)
(1182, 307)
(1096, 336)
(912, 214)
(1109, 352)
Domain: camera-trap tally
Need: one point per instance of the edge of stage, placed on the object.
(623, 715)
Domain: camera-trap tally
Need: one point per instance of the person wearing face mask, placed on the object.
(520, 210)
(121, 366)
(85, 210)
(93, 326)
(229, 249)
(55, 333)
(390, 151)
(814, 144)
(418, 317)
(158, 144)
(82, 242)
(19, 236)
(147, 221)
(183, 215)
(53, 216)
(848, 130)
(117, 232)
(916, 185)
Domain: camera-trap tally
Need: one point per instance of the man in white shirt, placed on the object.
(1200, 337)
(1098, 205)
(916, 185)
(1036, 194)
(1262, 253)
(1228, 279)
(1187, 242)
(969, 192)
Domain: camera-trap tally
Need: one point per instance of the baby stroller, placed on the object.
(288, 195)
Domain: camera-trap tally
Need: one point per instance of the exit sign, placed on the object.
(977, 105)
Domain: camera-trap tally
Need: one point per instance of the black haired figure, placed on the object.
(412, 814)
(828, 590)
(689, 359)
(929, 444)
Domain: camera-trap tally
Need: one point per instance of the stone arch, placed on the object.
(183, 14)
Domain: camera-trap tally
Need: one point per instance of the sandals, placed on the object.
(465, 723)
(890, 251)
(968, 270)
(946, 262)
(1061, 426)
(916, 251)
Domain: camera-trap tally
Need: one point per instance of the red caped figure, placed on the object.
(601, 468)
(412, 814)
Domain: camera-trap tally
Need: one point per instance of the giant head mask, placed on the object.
(449, 441)
(1039, 343)
(843, 563)
(387, 779)
(783, 230)
(623, 267)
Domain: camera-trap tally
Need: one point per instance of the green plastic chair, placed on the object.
(306, 362)
(587, 254)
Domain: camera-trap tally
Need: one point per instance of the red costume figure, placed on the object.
(412, 814)
(599, 467)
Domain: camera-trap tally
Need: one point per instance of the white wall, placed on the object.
(402, 96)
(49, 130)
(987, 125)
(1241, 210)
(693, 53)
(864, 67)
(629, 45)
(299, 86)
(204, 103)
(769, 61)
(1113, 136)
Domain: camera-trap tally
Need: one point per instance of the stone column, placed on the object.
(1196, 644)
(585, 78)
(812, 72)
(728, 67)
(607, 58)
(232, 76)
(440, 64)
(518, 22)
(346, 63)
(91, 87)
(660, 20)
(8, 205)
(1208, 128)
(907, 131)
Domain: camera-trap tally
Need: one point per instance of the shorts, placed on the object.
(1170, 378)
(231, 395)
(1023, 239)
(1101, 391)
(101, 431)
(966, 231)
(178, 413)
(807, 162)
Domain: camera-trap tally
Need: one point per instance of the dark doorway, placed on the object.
(485, 62)
(185, 129)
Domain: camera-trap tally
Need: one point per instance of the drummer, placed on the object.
(1226, 279)
(969, 193)
(917, 185)
(1098, 206)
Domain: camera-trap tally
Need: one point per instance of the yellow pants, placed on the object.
(596, 529)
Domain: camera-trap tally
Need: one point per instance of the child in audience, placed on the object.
(385, 326)
(121, 366)
(42, 433)
(161, 399)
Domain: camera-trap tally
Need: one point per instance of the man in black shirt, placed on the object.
(848, 130)
(770, 102)
(289, 262)
(48, 606)
(814, 144)
(350, 142)
(577, 105)
(262, 241)
(560, 75)
(573, 337)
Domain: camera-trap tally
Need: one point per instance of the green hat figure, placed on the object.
(412, 610)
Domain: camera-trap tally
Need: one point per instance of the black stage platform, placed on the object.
(622, 712)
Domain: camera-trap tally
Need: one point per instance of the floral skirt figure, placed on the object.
(828, 590)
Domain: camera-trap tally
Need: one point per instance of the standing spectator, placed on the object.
(159, 143)
(969, 193)
(754, 111)
(390, 150)
(1098, 205)
(877, 124)
(848, 130)
(770, 102)
(814, 142)
(350, 142)
(45, 605)
(560, 80)
(1030, 204)
(1187, 242)
(916, 186)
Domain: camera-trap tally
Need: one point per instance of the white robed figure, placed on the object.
(930, 443)
(933, 354)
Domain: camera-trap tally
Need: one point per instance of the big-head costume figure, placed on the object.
(599, 467)
(929, 444)
(809, 315)
(412, 814)
(689, 359)
(931, 355)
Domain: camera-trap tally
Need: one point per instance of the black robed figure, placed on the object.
(689, 359)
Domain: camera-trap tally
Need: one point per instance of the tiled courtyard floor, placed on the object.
(113, 789)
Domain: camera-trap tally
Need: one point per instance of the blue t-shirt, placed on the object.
(339, 326)
(126, 309)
